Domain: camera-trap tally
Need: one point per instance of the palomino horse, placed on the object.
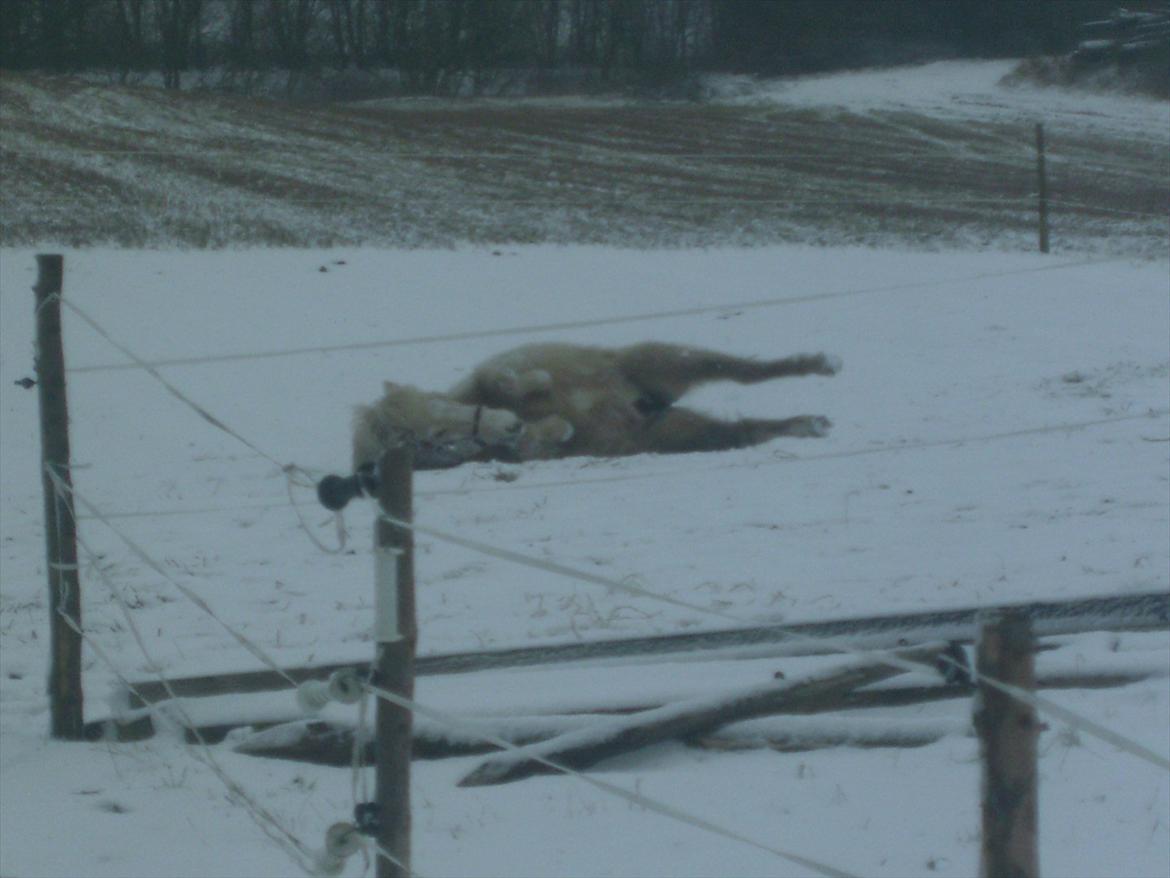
(561, 400)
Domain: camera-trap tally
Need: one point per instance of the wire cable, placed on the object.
(1073, 719)
(561, 326)
(635, 798)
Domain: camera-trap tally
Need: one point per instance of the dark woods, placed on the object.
(611, 41)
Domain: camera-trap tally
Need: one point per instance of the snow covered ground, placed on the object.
(987, 90)
(1000, 435)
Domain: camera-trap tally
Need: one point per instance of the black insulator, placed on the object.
(366, 817)
(335, 492)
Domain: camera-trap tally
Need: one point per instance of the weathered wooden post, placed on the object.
(1041, 188)
(1007, 731)
(65, 697)
(396, 633)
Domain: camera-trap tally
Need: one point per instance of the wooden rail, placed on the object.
(1127, 612)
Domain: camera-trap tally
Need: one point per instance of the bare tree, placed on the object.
(347, 19)
(549, 33)
(291, 23)
(241, 46)
(178, 24)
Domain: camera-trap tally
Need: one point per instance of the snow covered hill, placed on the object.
(940, 155)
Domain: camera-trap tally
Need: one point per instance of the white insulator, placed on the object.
(341, 842)
(345, 687)
(313, 695)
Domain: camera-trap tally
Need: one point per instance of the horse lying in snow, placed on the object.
(560, 400)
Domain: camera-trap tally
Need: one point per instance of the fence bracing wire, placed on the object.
(264, 818)
(189, 593)
(300, 853)
(272, 827)
(139, 363)
(290, 471)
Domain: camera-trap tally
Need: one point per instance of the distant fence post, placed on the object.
(396, 633)
(65, 695)
(1007, 731)
(1041, 188)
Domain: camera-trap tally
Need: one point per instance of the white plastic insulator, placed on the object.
(345, 687)
(386, 594)
(341, 842)
(313, 695)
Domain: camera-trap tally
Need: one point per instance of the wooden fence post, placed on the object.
(1007, 731)
(65, 696)
(1041, 188)
(396, 633)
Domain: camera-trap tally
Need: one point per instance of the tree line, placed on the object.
(615, 39)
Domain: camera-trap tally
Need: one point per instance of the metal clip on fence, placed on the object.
(335, 492)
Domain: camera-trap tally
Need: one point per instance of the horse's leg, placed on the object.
(677, 430)
(664, 372)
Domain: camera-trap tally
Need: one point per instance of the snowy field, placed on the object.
(1001, 434)
(940, 156)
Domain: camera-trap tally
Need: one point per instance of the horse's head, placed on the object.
(446, 433)
(543, 439)
(498, 433)
(451, 420)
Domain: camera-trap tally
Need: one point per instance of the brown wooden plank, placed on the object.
(696, 717)
(1129, 612)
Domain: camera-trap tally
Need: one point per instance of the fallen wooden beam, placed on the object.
(329, 743)
(321, 742)
(1128, 612)
(692, 718)
(138, 725)
(795, 734)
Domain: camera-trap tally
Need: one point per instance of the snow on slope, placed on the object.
(969, 90)
(937, 156)
(1000, 435)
